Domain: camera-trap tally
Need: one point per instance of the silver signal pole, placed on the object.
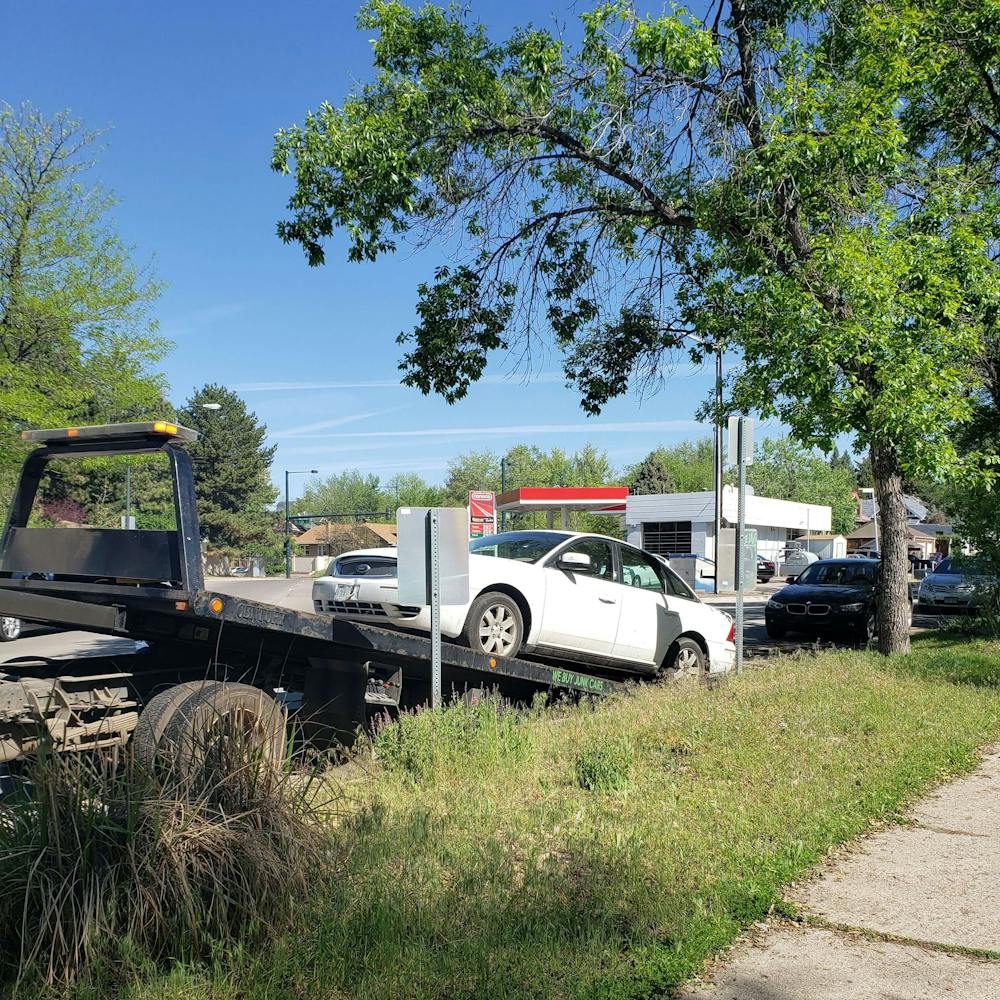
(740, 521)
(740, 454)
(718, 466)
(435, 567)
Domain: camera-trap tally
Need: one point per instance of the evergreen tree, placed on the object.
(232, 468)
(651, 475)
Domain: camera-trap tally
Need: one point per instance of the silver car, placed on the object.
(958, 584)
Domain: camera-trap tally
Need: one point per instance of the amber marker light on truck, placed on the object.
(215, 605)
(102, 433)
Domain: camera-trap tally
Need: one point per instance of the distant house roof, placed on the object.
(916, 509)
(914, 532)
(323, 534)
(387, 532)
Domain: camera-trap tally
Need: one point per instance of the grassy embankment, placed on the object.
(604, 851)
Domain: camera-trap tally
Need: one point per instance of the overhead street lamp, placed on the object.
(288, 539)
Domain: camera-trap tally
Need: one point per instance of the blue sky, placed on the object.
(193, 94)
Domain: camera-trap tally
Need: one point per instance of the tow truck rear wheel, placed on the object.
(223, 714)
(156, 715)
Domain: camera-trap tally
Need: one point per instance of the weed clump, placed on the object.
(459, 737)
(606, 767)
(98, 854)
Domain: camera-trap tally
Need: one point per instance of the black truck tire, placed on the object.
(156, 715)
(249, 710)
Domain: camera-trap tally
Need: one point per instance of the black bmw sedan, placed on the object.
(832, 595)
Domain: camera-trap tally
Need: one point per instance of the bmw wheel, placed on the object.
(868, 631)
(495, 625)
(10, 629)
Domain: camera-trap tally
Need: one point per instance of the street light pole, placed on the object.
(288, 538)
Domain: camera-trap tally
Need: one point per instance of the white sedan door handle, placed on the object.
(607, 600)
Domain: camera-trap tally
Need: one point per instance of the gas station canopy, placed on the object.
(594, 499)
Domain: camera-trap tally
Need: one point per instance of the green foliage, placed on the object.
(98, 490)
(527, 465)
(77, 343)
(473, 470)
(500, 877)
(787, 471)
(232, 468)
(100, 863)
(349, 492)
(431, 745)
(407, 489)
(688, 466)
(663, 189)
(651, 475)
(606, 767)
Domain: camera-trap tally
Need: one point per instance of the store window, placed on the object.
(664, 538)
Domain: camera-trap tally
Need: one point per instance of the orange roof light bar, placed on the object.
(113, 432)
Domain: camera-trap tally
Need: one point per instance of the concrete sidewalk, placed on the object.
(912, 913)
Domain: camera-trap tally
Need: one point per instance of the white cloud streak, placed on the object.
(626, 427)
(523, 379)
(307, 430)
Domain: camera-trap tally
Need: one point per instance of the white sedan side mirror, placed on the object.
(575, 562)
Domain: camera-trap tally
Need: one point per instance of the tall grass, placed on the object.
(100, 856)
(605, 850)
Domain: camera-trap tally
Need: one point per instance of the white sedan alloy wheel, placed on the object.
(498, 630)
(10, 628)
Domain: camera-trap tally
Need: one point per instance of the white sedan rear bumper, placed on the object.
(377, 601)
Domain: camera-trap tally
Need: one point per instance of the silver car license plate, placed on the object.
(345, 592)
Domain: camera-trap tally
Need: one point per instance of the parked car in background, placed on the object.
(795, 561)
(831, 595)
(10, 629)
(765, 569)
(553, 593)
(959, 583)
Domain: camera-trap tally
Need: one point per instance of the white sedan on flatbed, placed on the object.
(553, 593)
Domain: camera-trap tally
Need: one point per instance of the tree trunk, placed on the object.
(894, 584)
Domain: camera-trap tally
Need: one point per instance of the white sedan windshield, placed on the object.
(524, 546)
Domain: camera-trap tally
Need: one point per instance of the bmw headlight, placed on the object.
(852, 608)
(772, 603)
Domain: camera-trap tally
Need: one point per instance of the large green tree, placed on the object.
(689, 466)
(77, 342)
(952, 110)
(672, 185)
(232, 468)
(787, 471)
(349, 492)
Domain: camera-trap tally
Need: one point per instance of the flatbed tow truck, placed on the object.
(194, 646)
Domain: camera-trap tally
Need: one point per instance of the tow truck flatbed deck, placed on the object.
(149, 586)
